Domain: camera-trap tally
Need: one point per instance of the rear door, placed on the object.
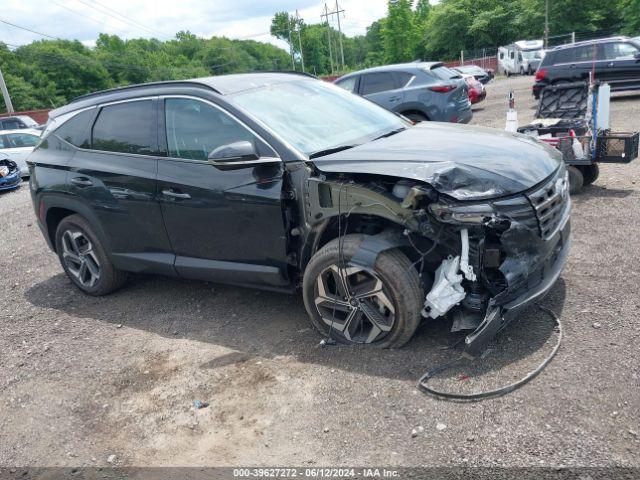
(224, 223)
(384, 88)
(619, 67)
(116, 177)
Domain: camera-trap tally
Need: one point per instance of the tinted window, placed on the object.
(19, 140)
(11, 124)
(402, 78)
(194, 129)
(613, 51)
(76, 129)
(571, 55)
(444, 73)
(377, 82)
(348, 84)
(126, 127)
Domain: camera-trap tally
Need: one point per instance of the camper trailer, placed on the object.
(522, 57)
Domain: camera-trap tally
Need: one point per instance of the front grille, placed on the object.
(549, 203)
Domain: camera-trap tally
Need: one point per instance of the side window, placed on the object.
(402, 78)
(76, 130)
(128, 127)
(582, 54)
(377, 82)
(512, 55)
(349, 84)
(195, 129)
(11, 125)
(501, 55)
(19, 140)
(614, 51)
(2, 142)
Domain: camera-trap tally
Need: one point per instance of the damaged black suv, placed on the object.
(286, 182)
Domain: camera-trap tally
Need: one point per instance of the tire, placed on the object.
(590, 173)
(416, 117)
(83, 258)
(397, 307)
(576, 180)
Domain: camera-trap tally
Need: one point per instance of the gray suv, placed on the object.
(419, 91)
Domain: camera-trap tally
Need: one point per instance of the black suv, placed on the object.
(615, 61)
(283, 181)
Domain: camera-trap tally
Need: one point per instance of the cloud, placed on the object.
(85, 19)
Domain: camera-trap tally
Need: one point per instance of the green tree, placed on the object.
(398, 33)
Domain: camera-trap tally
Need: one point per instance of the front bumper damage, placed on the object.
(485, 272)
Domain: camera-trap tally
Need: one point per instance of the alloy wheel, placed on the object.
(80, 258)
(354, 303)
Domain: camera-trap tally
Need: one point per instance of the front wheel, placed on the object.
(83, 258)
(352, 304)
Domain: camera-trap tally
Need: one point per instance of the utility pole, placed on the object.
(5, 94)
(293, 64)
(326, 15)
(300, 40)
(546, 23)
(337, 12)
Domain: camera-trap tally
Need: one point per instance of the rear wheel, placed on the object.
(83, 258)
(576, 180)
(416, 117)
(352, 304)
(590, 173)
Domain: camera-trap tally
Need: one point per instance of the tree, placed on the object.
(398, 32)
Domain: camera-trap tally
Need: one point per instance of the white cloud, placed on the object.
(85, 19)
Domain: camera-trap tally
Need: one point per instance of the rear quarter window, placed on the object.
(76, 130)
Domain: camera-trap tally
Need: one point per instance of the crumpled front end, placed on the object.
(481, 262)
(9, 175)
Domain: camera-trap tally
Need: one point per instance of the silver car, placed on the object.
(420, 91)
(16, 145)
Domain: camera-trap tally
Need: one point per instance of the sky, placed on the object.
(85, 19)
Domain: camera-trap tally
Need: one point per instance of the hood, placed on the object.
(461, 161)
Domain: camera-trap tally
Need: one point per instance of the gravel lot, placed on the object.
(112, 381)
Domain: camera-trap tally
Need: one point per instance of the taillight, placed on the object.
(442, 88)
(540, 74)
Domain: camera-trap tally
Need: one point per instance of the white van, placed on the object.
(522, 57)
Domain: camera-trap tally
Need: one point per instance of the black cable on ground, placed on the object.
(422, 383)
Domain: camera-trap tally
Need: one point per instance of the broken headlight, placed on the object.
(476, 214)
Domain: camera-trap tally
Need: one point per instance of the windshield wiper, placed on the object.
(329, 151)
(392, 132)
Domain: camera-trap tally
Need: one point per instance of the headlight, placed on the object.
(462, 214)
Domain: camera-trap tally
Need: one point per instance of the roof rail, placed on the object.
(137, 86)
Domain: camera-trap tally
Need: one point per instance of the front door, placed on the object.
(224, 223)
(620, 67)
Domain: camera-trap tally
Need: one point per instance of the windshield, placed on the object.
(315, 116)
(531, 54)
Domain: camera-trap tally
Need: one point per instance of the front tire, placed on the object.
(378, 306)
(83, 258)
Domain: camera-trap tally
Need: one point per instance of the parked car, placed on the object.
(476, 90)
(614, 60)
(16, 122)
(419, 91)
(17, 145)
(9, 174)
(484, 76)
(283, 181)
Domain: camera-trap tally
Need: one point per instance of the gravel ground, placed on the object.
(112, 381)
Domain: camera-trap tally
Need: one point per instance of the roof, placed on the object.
(221, 84)
(589, 42)
(398, 66)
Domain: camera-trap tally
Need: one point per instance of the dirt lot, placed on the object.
(84, 381)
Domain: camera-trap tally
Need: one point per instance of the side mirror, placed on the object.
(233, 152)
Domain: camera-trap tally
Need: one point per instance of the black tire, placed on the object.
(416, 117)
(590, 173)
(400, 284)
(576, 180)
(78, 245)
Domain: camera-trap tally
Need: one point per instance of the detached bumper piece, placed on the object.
(9, 175)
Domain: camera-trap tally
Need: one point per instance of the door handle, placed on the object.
(171, 193)
(81, 181)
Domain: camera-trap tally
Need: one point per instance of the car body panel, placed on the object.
(433, 153)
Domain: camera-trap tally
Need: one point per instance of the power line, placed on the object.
(29, 30)
(128, 18)
(83, 15)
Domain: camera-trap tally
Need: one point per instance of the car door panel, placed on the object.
(121, 190)
(212, 213)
